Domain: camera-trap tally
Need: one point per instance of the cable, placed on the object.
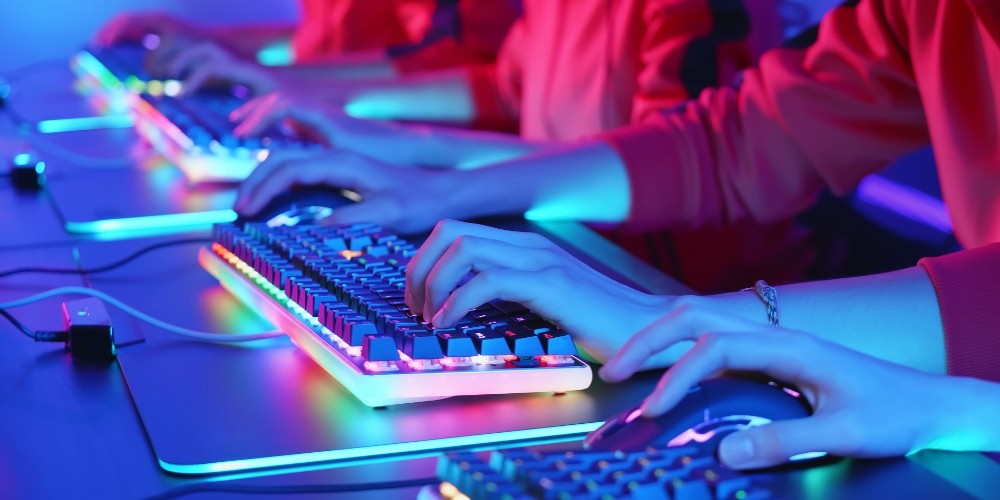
(250, 489)
(20, 326)
(37, 335)
(179, 330)
(29, 69)
(105, 267)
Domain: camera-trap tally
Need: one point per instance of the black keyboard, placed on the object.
(683, 473)
(338, 292)
(194, 132)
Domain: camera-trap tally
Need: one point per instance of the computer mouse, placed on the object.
(709, 411)
(306, 205)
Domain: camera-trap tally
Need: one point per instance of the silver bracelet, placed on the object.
(769, 296)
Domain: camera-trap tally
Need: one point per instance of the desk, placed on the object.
(71, 430)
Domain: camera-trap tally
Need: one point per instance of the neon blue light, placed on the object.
(153, 222)
(22, 159)
(58, 125)
(381, 450)
(905, 201)
(278, 53)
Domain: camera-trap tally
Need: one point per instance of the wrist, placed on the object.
(966, 417)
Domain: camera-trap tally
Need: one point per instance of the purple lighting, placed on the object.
(905, 201)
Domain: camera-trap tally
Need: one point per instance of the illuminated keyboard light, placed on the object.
(457, 361)
(511, 358)
(172, 88)
(556, 360)
(425, 364)
(154, 88)
(353, 350)
(381, 366)
(489, 360)
(350, 254)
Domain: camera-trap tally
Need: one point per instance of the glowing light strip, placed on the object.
(905, 201)
(381, 450)
(88, 63)
(58, 125)
(152, 222)
(382, 388)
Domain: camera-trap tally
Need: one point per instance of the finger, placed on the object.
(196, 79)
(773, 444)
(778, 353)
(494, 283)
(249, 185)
(437, 243)
(475, 254)
(375, 210)
(684, 322)
(260, 118)
(334, 170)
(248, 107)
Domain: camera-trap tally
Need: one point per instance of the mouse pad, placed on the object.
(212, 408)
(153, 197)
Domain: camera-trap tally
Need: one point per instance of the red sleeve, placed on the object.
(470, 32)
(336, 26)
(690, 45)
(496, 88)
(967, 284)
(803, 120)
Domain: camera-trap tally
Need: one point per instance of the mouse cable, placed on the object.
(179, 330)
(249, 489)
(106, 267)
(39, 336)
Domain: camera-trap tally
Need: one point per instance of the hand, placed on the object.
(863, 407)
(310, 116)
(205, 61)
(326, 122)
(133, 26)
(404, 199)
(599, 312)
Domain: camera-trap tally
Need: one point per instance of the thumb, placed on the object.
(773, 444)
(365, 211)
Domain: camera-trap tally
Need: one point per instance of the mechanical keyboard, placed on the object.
(338, 293)
(193, 132)
(682, 473)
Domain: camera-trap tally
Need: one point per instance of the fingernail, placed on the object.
(436, 320)
(736, 450)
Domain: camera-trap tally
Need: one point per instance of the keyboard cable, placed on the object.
(179, 330)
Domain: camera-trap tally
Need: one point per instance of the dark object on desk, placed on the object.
(27, 172)
(307, 205)
(709, 411)
(90, 335)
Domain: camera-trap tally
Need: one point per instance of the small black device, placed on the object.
(27, 171)
(90, 336)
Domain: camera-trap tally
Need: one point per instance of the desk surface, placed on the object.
(71, 428)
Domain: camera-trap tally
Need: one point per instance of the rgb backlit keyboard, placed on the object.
(338, 293)
(684, 473)
(194, 131)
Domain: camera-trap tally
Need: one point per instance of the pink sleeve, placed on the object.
(496, 88)
(803, 120)
(690, 45)
(967, 284)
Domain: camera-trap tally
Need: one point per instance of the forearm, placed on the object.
(585, 181)
(892, 316)
(248, 41)
(371, 64)
(441, 96)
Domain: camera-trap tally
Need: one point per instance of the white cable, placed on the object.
(195, 334)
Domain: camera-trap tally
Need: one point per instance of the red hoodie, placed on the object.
(416, 34)
(885, 77)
